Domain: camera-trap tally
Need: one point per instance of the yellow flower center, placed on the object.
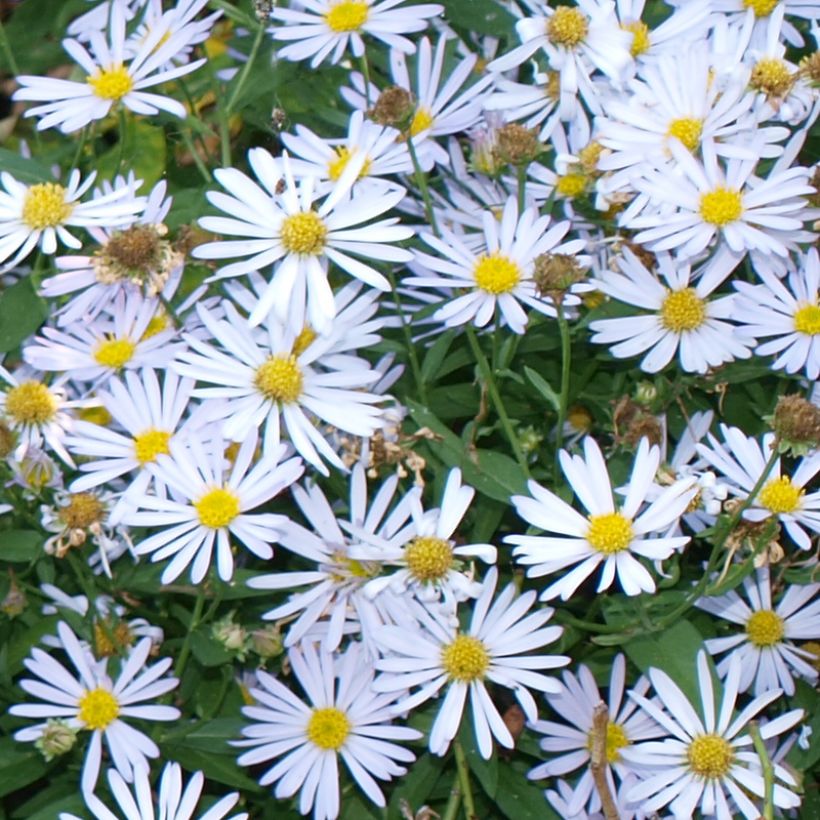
(428, 558)
(422, 120)
(496, 273)
(111, 638)
(616, 739)
(589, 156)
(111, 83)
(764, 628)
(761, 8)
(45, 206)
(567, 27)
(217, 508)
(640, 37)
(303, 341)
(779, 495)
(95, 415)
(31, 403)
(151, 443)
(158, 322)
(683, 310)
(772, 77)
(571, 185)
(304, 233)
(688, 130)
(349, 15)
(82, 510)
(279, 379)
(807, 320)
(98, 708)
(465, 659)
(328, 728)
(609, 533)
(710, 756)
(336, 166)
(114, 353)
(721, 206)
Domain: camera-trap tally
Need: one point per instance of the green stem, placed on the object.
(563, 399)
(487, 373)
(5, 46)
(464, 781)
(454, 801)
(121, 118)
(366, 74)
(196, 615)
(246, 70)
(768, 771)
(415, 366)
(201, 166)
(521, 173)
(421, 181)
(587, 626)
(80, 145)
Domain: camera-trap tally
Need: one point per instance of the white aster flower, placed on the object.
(284, 227)
(683, 321)
(322, 28)
(768, 656)
(788, 310)
(215, 504)
(502, 272)
(92, 701)
(343, 717)
(536, 102)
(742, 459)
(41, 214)
(677, 31)
(112, 78)
(172, 802)
(494, 649)
(706, 763)
(608, 535)
(759, 12)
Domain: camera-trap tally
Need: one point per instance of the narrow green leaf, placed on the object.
(22, 311)
(20, 545)
(542, 386)
(435, 356)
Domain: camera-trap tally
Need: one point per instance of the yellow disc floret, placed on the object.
(641, 40)
(571, 185)
(151, 443)
(306, 337)
(765, 628)
(779, 495)
(217, 508)
(349, 15)
(761, 8)
(721, 206)
(465, 659)
(111, 83)
(688, 130)
(609, 533)
(496, 273)
(772, 77)
(616, 739)
(82, 510)
(279, 379)
(98, 708)
(114, 353)
(328, 728)
(567, 27)
(807, 320)
(422, 120)
(337, 165)
(683, 310)
(31, 403)
(45, 207)
(304, 233)
(428, 558)
(710, 756)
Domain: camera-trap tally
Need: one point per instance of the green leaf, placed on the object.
(144, 150)
(734, 577)
(20, 545)
(23, 169)
(519, 798)
(215, 766)
(415, 787)
(482, 16)
(485, 771)
(22, 311)
(435, 356)
(207, 650)
(542, 386)
(20, 764)
(20, 644)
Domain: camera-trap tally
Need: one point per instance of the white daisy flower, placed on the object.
(703, 202)
(172, 802)
(683, 321)
(215, 504)
(706, 763)
(112, 78)
(675, 32)
(572, 740)
(266, 379)
(502, 273)
(92, 701)
(760, 11)
(769, 658)
(343, 717)
(494, 649)
(41, 214)
(608, 535)
(284, 227)
(118, 339)
(743, 459)
(328, 28)
(428, 561)
(787, 310)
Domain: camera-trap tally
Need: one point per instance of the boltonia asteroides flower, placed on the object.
(342, 718)
(607, 535)
(92, 701)
(494, 649)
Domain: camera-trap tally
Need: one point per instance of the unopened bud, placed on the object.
(56, 739)
(530, 439)
(556, 273)
(267, 642)
(15, 601)
(645, 392)
(394, 107)
(7, 440)
(516, 145)
(231, 635)
(263, 9)
(797, 424)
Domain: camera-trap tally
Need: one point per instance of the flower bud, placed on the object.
(267, 642)
(394, 107)
(797, 423)
(57, 739)
(231, 635)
